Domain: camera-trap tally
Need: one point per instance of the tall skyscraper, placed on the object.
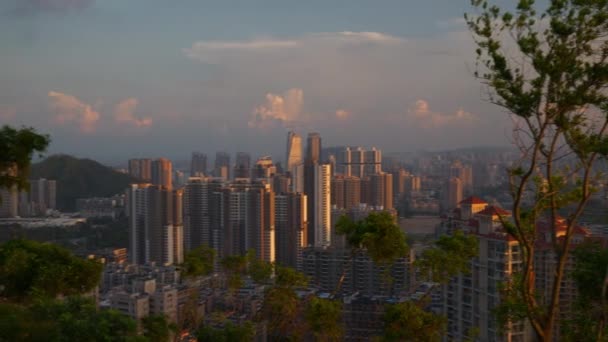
(198, 164)
(249, 219)
(197, 226)
(242, 167)
(155, 224)
(322, 205)
(141, 169)
(222, 165)
(372, 160)
(313, 154)
(43, 195)
(313, 148)
(9, 204)
(162, 172)
(294, 150)
(381, 190)
(453, 193)
(345, 191)
(264, 168)
(290, 228)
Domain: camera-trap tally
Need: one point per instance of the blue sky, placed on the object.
(112, 79)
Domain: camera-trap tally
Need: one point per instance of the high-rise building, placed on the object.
(141, 169)
(198, 164)
(294, 150)
(322, 205)
(197, 229)
(242, 167)
(337, 191)
(162, 172)
(42, 196)
(381, 190)
(264, 168)
(9, 202)
(345, 192)
(155, 224)
(454, 193)
(290, 228)
(311, 162)
(249, 219)
(358, 162)
(203, 214)
(372, 160)
(313, 148)
(281, 184)
(222, 165)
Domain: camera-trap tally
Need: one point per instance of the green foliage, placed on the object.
(229, 333)
(17, 146)
(259, 270)
(235, 267)
(588, 317)
(282, 307)
(157, 328)
(288, 277)
(199, 262)
(73, 319)
(80, 178)
(450, 256)
(31, 268)
(378, 234)
(324, 318)
(549, 70)
(407, 321)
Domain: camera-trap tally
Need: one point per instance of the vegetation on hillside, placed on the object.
(80, 178)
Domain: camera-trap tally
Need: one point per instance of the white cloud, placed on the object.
(421, 115)
(124, 114)
(278, 109)
(68, 109)
(215, 51)
(342, 114)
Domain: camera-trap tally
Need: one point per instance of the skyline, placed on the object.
(112, 80)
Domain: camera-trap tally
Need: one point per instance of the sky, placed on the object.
(112, 79)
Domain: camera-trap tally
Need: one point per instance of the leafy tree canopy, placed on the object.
(17, 146)
(29, 268)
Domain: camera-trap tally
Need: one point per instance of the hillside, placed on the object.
(79, 178)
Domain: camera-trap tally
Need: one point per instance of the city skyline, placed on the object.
(193, 82)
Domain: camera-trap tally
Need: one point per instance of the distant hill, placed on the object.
(80, 178)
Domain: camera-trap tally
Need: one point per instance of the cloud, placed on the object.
(342, 114)
(68, 109)
(281, 110)
(216, 51)
(24, 7)
(421, 115)
(124, 114)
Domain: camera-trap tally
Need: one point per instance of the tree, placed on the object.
(324, 318)
(408, 321)
(157, 328)
(590, 312)
(377, 235)
(282, 307)
(549, 71)
(29, 268)
(259, 270)
(17, 146)
(72, 319)
(199, 262)
(229, 333)
(450, 256)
